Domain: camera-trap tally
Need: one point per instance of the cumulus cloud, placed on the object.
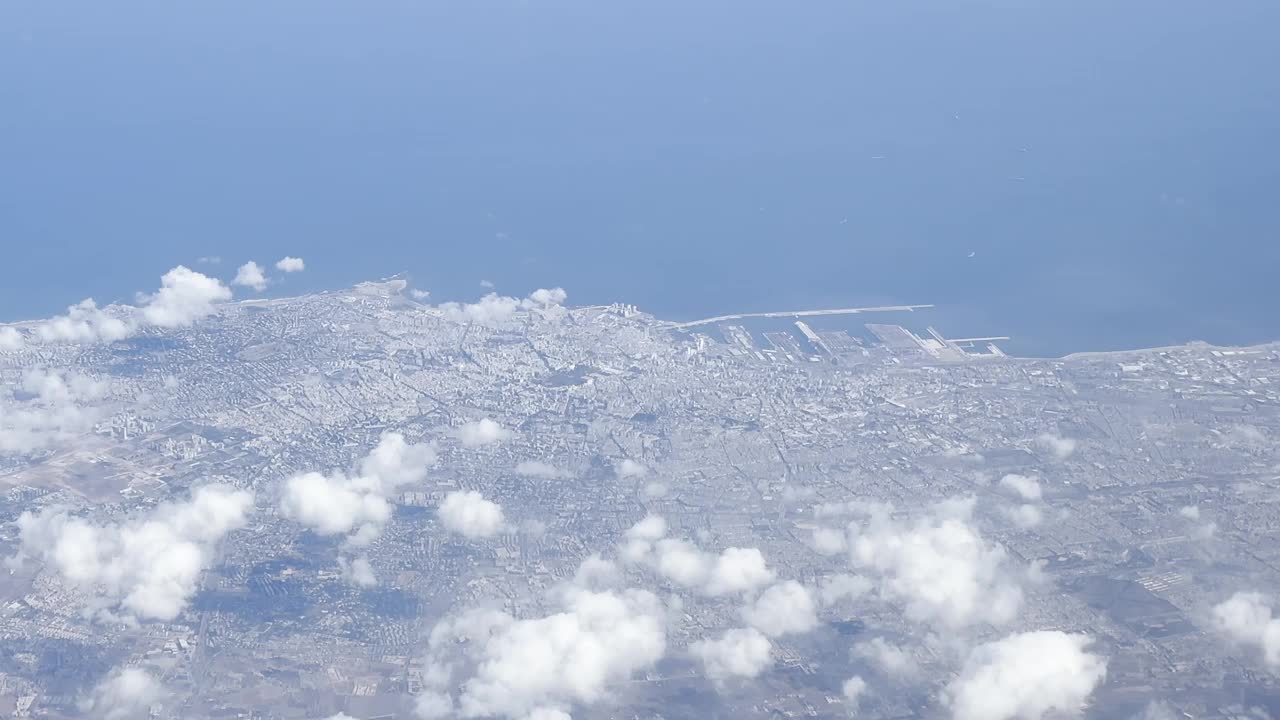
(11, 339)
(628, 469)
(468, 513)
(250, 275)
(655, 490)
(939, 565)
(541, 470)
(547, 297)
(1025, 516)
(184, 297)
(47, 407)
(639, 539)
(841, 586)
(85, 322)
(1246, 618)
(735, 570)
(1026, 676)
(829, 541)
(338, 503)
(887, 658)
(491, 309)
(1028, 488)
(514, 668)
(125, 694)
(596, 573)
(786, 608)
(484, 431)
(740, 652)
(1059, 447)
(797, 493)
(1202, 532)
(335, 504)
(358, 571)
(853, 690)
(290, 264)
(495, 309)
(147, 567)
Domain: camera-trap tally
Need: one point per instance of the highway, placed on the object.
(802, 313)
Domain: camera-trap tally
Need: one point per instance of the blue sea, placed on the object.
(1082, 175)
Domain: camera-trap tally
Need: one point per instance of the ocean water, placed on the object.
(1081, 176)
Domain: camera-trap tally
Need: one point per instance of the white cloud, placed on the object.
(394, 463)
(417, 294)
(1246, 618)
(250, 275)
(486, 284)
(46, 408)
(795, 494)
(184, 297)
(681, 562)
(596, 573)
(334, 504)
(889, 659)
(839, 587)
(85, 322)
(740, 652)
(125, 694)
(1026, 676)
(11, 339)
(738, 570)
(291, 264)
(784, 609)
(482, 432)
(337, 503)
(433, 705)
(148, 567)
(1028, 488)
(829, 541)
(639, 538)
(1059, 447)
(469, 513)
(628, 469)
(853, 690)
(655, 490)
(939, 565)
(541, 470)
(513, 668)
(548, 297)
(735, 570)
(492, 309)
(1025, 516)
(358, 571)
(495, 309)
(1190, 512)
